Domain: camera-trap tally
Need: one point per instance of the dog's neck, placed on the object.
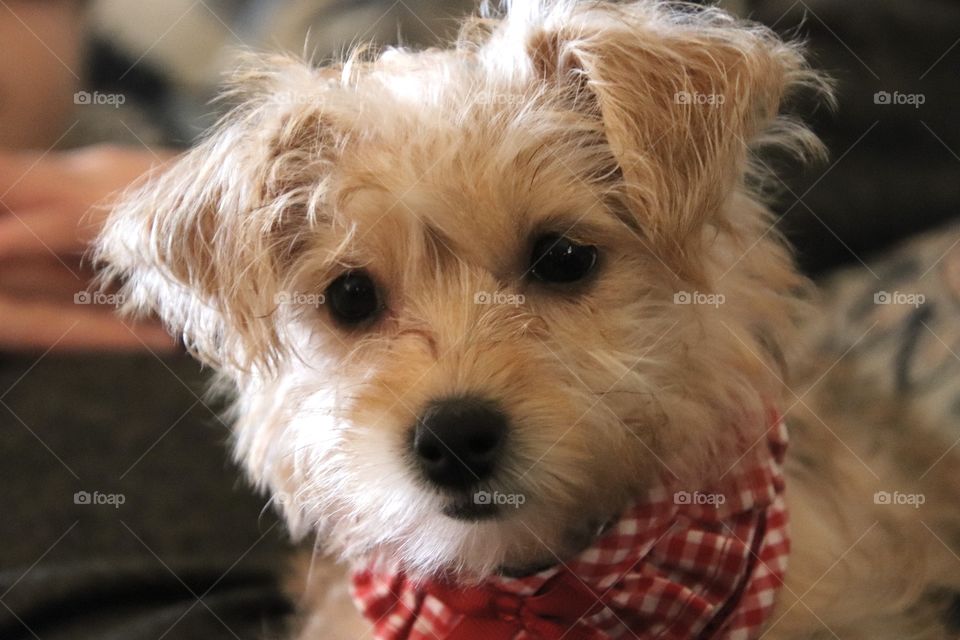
(576, 540)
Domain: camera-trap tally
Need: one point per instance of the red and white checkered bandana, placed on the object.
(676, 565)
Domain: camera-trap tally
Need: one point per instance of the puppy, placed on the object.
(508, 327)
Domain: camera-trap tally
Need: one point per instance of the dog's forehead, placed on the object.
(478, 213)
(477, 179)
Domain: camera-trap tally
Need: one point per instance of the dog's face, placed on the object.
(459, 292)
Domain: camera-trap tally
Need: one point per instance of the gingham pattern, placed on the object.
(663, 570)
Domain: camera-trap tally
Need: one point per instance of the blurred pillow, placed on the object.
(898, 320)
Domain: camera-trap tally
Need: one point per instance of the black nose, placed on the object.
(457, 441)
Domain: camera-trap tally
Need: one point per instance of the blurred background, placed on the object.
(122, 515)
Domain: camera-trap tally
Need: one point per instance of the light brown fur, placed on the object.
(432, 170)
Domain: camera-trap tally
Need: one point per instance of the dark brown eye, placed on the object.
(352, 298)
(560, 260)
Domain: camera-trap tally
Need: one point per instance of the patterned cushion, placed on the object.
(899, 319)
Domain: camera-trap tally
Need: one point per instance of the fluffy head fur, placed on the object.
(629, 127)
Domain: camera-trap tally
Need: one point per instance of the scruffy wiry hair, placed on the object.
(631, 127)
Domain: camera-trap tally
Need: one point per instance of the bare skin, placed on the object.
(51, 206)
(47, 212)
(38, 82)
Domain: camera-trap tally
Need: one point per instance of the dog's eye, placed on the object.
(352, 298)
(559, 259)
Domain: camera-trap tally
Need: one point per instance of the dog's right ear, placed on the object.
(205, 243)
(684, 94)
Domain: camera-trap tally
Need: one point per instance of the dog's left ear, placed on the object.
(205, 244)
(682, 94)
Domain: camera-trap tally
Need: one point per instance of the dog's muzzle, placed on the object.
(457, 441)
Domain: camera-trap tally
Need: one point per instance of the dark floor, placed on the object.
(187, 554)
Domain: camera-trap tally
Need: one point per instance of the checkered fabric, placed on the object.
(676, 564)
